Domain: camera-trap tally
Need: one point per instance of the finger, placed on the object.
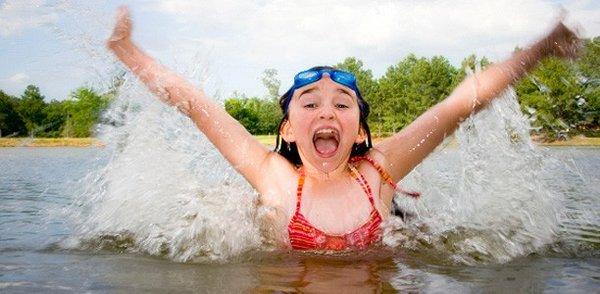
(122, 27)
(123, 20)
(123, 12)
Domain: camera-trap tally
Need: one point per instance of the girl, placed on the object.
(326, 183)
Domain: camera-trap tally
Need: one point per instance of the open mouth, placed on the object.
(326, 141)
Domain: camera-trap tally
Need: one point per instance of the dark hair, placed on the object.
(289, 149)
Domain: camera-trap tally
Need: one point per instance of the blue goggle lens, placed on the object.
(310, 76)
(344, 78)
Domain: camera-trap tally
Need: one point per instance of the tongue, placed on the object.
(326, 146)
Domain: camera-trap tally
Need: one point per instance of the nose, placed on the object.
(327, 112)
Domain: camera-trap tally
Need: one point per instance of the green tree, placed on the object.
(411, 87)
(364, 77)
(11, 123)
(269, 116)
(272, 83)
(551, 95)
(589, 66)
(258, 116)
(31, 109)
(589, 62)
(55, 117)
(470, 64)
(241, 109)
(83, 107)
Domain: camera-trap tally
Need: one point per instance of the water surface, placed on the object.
(37, 186)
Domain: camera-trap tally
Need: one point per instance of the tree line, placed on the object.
(31, 115)
(561, 97)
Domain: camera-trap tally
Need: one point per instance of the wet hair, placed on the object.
(289, 150)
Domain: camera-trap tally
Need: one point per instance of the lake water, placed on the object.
(39, 185)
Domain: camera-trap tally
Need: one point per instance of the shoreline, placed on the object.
(50, 142)
(268, 140)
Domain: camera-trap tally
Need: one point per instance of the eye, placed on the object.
(341, 105)
(310, 105)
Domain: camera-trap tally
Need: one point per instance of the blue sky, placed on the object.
(226, 45)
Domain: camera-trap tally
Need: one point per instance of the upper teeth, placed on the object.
(324, 131)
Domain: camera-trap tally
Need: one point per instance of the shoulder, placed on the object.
(277, 189)
(377, 161)
(376, 172)
(378, 156)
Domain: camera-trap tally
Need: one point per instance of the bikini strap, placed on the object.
(299, 189)
(363, 183)
(385, 175)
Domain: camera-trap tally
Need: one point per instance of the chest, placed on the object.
(341, 207)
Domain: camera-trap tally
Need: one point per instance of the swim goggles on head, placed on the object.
(310, 76)
(339, 76)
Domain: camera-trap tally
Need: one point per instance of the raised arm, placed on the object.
(237, 145)
(406, 149)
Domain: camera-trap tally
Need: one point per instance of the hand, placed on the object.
(122, 30)
(561, 42)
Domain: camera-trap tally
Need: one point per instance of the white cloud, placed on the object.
(277, 31)
(18, 78)
(586, 14)
(291, 35)
(237, 40)
(18, 15)
(234, 41)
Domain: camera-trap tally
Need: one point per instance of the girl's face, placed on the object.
(324, 122)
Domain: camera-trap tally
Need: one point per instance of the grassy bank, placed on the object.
(50, 142)
(268, 140)
(574, 141)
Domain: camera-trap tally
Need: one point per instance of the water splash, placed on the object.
(496, 196)
(165, 190)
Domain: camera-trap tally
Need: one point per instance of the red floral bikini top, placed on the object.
(304, 236)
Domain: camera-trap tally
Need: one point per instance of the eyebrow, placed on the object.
(305, 91)
(344, 91)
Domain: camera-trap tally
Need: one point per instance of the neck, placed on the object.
(334, 175)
